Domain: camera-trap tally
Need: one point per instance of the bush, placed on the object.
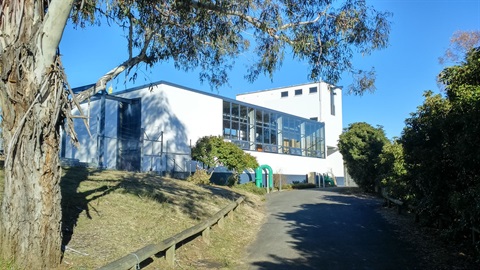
(303, 185)
(200, 177)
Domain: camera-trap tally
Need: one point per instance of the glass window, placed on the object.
(312, 90)
(243, 132)
(284, 94)
(332, 102)
(244, 113)
(266, 119)
(298, 92)
(259, 134)
(258, 117)
(261, 130)
(226, 110)
(235, 110)
(234, 131)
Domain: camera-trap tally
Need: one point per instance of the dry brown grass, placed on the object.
(109, 214)
(228, 245)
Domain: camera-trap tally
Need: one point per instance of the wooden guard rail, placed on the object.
(168, 245)
(390, 200)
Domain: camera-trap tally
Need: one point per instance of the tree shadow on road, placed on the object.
(341, 232)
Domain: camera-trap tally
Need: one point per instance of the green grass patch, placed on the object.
(7, 265)
(251, 188)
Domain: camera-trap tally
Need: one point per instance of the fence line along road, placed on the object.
(400, 204)
(168, 246)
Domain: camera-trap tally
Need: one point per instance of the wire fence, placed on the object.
(145, 154)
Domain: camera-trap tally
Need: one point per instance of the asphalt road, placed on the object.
(325, 229)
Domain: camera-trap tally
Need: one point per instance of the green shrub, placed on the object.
(303, 185)
(200, 177)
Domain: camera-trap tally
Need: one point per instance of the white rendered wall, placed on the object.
(87, 147)
(182, 115)
(308, 105)
(292, 165)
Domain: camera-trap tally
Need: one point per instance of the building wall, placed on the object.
(183, 116)
(178, 117)
(308, 105)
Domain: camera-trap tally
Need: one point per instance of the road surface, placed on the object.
(327, 229)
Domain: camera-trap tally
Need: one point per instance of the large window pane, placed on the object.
(266, 119)
(261, 130)
(243, 134)
(243, 113)
(226, 110)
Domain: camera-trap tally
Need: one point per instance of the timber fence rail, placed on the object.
(167, 247)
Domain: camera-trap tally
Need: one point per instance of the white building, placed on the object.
(152, 127)
(320, 102)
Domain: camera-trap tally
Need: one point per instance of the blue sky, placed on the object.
(421, 31)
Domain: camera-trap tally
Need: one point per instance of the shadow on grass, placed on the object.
(76, 200)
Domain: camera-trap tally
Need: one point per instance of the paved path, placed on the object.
(325, 229)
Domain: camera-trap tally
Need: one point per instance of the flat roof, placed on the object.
(282, 87)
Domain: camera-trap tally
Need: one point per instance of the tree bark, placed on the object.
(32, 98)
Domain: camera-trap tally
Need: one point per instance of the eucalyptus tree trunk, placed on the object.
(32, 98)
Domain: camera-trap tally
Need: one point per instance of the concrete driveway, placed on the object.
(326, 229)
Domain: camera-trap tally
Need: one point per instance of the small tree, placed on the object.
(361, 145)
(392, 171)
(213, 151)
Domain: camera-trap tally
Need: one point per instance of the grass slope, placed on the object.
(109, 214)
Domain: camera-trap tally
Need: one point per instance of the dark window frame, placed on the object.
(332, 102)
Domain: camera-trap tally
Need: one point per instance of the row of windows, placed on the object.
(299, 92)
(263, 130)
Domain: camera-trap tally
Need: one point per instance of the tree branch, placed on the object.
(102, 82)
(292, 25)
(52, 31)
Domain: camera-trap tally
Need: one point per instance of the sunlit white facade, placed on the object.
(320, 102)
(152, 127)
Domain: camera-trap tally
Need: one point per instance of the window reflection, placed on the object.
(268, 131)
